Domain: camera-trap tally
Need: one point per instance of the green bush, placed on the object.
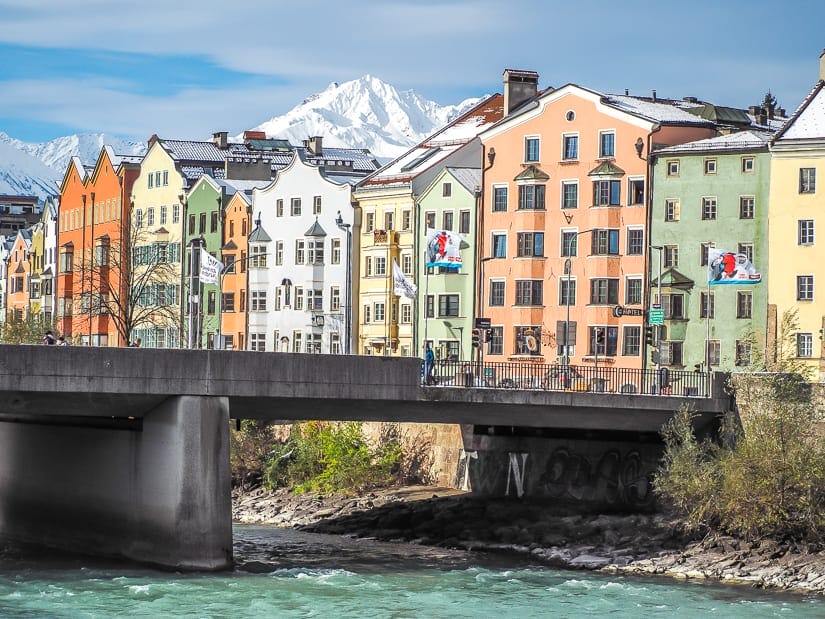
(769, 482)
(330, 457)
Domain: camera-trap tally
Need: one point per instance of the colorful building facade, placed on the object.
(563, 228)
(710, 194)
(795, 216)
(386, 230)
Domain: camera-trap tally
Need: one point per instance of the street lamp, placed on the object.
(658, 338)
(568, 267)
(339, 221)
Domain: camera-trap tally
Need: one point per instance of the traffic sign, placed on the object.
(657, 316)
(482, 323)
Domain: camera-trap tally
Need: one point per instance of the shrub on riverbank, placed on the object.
(332, 457)
(769, 481)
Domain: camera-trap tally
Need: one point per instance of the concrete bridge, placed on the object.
(126, 451)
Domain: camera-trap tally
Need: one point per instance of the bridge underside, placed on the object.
(155, 490)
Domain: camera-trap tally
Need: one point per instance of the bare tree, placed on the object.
(135, 280)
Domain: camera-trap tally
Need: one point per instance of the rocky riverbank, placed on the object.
(631, 544)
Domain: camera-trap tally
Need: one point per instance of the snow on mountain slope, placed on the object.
(21, 174)
(364, 113)
(36, 168)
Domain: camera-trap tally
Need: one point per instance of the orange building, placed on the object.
(566, 183)
(19, 275)
(237, 226)
(93, 249)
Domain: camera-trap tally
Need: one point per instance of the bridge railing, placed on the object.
(555, 377)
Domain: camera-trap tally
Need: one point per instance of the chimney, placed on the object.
(519, 86)
(762, 116)
(780, 112)
(313, 145)
(822, 65)
(220, 138)
(753, 110)
(654, 96)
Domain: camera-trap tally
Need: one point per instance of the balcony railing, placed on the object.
(555, 377)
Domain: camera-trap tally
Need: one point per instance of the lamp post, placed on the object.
(568, 267)
(339, 221)
(224, 271)
(483, 288)
(658, 337)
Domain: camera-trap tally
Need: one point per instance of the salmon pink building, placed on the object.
(564, 220)
(94, 255)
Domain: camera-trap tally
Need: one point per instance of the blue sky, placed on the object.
(189, 69)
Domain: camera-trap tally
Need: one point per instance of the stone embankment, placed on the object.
(629, 544)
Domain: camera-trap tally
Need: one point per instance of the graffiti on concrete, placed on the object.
(616, 476)
(613, 479)
(516, 471)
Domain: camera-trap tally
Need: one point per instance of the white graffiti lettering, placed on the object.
(518, 472)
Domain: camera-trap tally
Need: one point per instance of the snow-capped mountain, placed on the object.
(36, 169)
(56, 153)
(21, 174)
(364, 113)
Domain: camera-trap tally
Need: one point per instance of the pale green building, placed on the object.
(446, 297)
(710, 193)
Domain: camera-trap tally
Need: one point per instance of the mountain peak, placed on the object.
(364, 113)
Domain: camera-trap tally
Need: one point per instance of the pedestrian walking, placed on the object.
(48, 338)
(429, 366)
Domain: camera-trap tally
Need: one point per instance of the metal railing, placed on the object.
(581, 378)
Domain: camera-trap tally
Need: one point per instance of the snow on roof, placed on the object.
(441, 144)
(740, 140)
(470, 178)
(663, 112)
(234, 185)
(808, 122)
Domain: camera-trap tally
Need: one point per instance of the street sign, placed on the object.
(657, 316)
(482, 323)
(619, 311)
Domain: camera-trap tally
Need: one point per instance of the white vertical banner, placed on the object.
(401, 285)
(210, 268)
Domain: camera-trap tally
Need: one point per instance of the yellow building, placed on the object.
(385, 225)
(796, 214)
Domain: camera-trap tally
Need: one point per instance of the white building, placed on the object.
(299, 272)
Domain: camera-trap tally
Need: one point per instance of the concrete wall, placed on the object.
(610, 475)
(159, 495)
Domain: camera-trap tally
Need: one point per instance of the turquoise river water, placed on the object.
(284, 573)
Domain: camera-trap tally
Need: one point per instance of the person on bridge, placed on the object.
(48, 339)
(429, 366)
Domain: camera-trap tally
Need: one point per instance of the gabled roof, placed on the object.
(671, 278)
(315, 230)
(230, 245)
(440, 145)
(469, 178)
(532, 173)
(259, 235)
(606, 168)
(808, 121)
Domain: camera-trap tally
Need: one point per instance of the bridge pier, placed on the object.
(156, 492)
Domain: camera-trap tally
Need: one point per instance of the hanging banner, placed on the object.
(727, 267)
(401, 285)
(443, 249)
(210, 268)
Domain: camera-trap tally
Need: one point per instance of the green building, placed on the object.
(447, 296)
(708, 194)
